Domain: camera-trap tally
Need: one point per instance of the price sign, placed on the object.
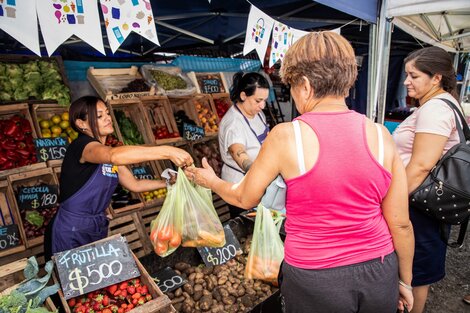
(142, 172)
(167, 280)
(37, 197)
(210, 83)
(218, 256)
(50, 148)
(9, 237)
(192, 132)
(95, 266)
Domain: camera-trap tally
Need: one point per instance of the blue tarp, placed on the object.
(363, 9)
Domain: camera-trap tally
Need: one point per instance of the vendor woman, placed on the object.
(243, 128)
(90, 173)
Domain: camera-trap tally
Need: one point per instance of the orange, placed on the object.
(64, 124)
(56, 130)
(56, 119)
(65, 116)
(45, 124)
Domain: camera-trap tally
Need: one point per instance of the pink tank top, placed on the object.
(334, 215)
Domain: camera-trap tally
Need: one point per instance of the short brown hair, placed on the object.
(327, 60)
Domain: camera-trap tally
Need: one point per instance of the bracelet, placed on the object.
(402, 283)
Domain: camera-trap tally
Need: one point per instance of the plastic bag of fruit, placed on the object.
(201, 224)
(267, 248)
(169, 80)
(166, 228)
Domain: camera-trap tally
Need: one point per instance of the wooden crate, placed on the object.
(160, 302)
(131, 227)
(22, 110)
(133, 110)
(109, 82)
(156, 170)
(159, 113)
(22, 59)
(9, 216)
(12, 274)
(224, 98)
(201, 87)
(206, 113)
(45, 112)
(33, 178)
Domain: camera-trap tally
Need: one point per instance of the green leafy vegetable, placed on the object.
(35, 218)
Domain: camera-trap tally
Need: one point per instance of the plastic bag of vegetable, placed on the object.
(267, 248)
(165, 229)
(201, 224)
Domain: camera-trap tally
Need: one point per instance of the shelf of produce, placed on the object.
(9, 216)
(206, 113)
(110, 82)
(12, 274)
(222, 103)
(161, 119)
(130, 122)
(159, 302)
(16, 139)
(149, 170)
(51, 120)
(40, 80)
(43, 209)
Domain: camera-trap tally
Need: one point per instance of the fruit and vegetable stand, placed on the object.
(142, 114)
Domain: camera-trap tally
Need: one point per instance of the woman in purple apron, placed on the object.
(243, 128)
(90, 173)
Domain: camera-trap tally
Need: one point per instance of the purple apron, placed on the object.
(81, 219)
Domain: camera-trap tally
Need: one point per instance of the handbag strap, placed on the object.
(462, 127)
(300, 148)
(380, 141)
(462, 232)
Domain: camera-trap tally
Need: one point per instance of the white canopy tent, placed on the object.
(443, 23)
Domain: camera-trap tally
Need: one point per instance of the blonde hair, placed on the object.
(326, 59)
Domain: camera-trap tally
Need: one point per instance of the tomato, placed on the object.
(153, 235)
(175, 241)
(165, 233)
(161, 248)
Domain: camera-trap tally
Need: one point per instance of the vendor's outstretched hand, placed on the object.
(204, 176)
(180, 157)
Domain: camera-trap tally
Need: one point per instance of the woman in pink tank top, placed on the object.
(349, 242)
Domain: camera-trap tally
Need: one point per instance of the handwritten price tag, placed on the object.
(168, 280)
(37, 197)
(9, 236)
(142, 172)
(218, 256)
(95, 266)
(192, 132)
(50, 149)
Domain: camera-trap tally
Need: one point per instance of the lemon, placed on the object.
(74, 135)
(45, 124)
(46, 135)
(56, 130)
(56, 119)
(65, 116)
(64, 124)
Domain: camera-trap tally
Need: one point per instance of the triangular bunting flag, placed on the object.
(18, 19)
(283, 37)
(258, 31)
(60, 19)
(121, 17)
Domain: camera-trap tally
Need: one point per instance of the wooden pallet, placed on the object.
(109, 82)
(33, 178)
(133, 110)
(12, 274)
(10, 217)
(160, 114)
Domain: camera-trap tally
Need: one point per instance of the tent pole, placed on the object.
(371, 70)
(465, 83)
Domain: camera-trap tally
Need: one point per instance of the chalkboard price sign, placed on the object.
(192, 132)
(9, 237)
(210, 83)
(218, 256)
(50, 148)
(95, 266)
(37, 197)
(142, 172)
(168, 280)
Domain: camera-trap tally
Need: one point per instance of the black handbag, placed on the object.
(445, 193)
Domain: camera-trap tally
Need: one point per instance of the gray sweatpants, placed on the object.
(367, 287)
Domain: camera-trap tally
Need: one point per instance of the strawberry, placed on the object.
(120, 310)
(136, 295)
(105, 300)
(112, 289)
(123, 285)
(72, 302)
(131, 290)
(106, 311)
(141, 300)
(148, 297)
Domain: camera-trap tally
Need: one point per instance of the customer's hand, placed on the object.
(180, 157)
(406, 299)
(204, 176)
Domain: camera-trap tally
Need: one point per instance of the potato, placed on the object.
(186, 308)
(177, 300)
(222, 280)
(178, 292)
(223, 292)
(216, 294)
(207, 270)
(188, 288)
(205, 303)
(192, 277)
(209, 284)
(229, 300)
(182, 266)
(247, 301)
(240, 291)
(178, 306)
(199, 281)
(197, 295)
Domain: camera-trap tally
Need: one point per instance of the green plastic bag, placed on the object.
(166, 228)
(201, 224)
(267, 248)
